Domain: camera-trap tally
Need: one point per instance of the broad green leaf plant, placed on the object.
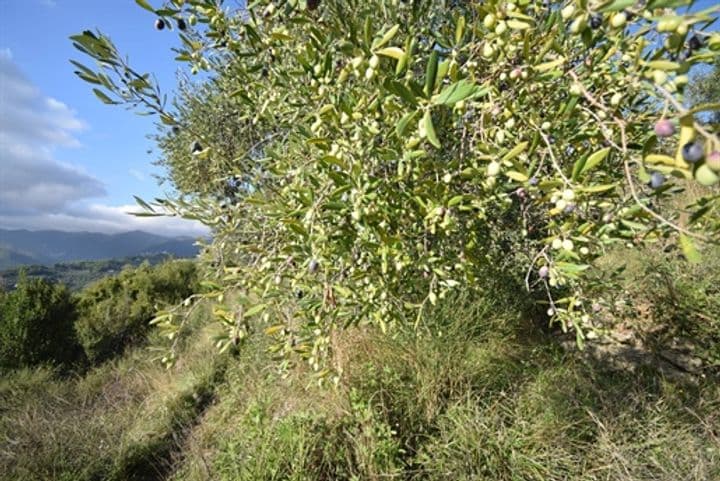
(358, 161)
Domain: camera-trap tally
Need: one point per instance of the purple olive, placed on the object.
(713, 160)
(159, 24)
(664, 128)
(543, 272)
(313, 267)
(533, 181)
(657, 180)
(692, 152)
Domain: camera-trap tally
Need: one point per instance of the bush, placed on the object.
(115, 312)
(36, 324)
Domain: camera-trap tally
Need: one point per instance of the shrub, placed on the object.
(115, 312)
(388, 153)
(36, 324)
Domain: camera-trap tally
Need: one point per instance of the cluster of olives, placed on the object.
(581, 20)
(181, 23)
(704, 161)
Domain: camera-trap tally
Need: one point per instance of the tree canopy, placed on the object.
(359, 161)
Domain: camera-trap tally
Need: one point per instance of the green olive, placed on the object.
(705, 176)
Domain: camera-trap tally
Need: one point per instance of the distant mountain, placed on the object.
(24, 247)
(9, 258)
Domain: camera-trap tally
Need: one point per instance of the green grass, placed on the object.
(672, 302)
(479, 394)
(120, 421)
(470, 405)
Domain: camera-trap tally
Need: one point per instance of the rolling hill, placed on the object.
(24, 247)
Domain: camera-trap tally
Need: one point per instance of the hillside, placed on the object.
(77, 275)
(9, 257)
(24, 247)
(482, 397)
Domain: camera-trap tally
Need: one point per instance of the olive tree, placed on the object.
(374, 156)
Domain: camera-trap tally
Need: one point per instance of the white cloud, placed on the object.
(39, 192)
(31, 127)
(107, 219)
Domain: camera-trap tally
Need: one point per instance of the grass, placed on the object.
(119, 421)
(478, 395)
(469, 405)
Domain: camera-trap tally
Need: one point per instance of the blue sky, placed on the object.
(66, 160)
(94, 156)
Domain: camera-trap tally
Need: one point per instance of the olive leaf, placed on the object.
(461, 90)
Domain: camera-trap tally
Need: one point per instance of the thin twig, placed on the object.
(552, 155)
(532, 264)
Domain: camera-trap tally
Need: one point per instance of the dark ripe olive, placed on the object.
(314, 266)
(313, 4)
(695, 43)
(181, 24)
(657, 180)
(596, 21)
(159, 24)
(692, 152)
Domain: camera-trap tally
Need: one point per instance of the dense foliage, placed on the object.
(42, 322)
(36, 325)
(115, 312)
(706, 88)
(360, 160)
